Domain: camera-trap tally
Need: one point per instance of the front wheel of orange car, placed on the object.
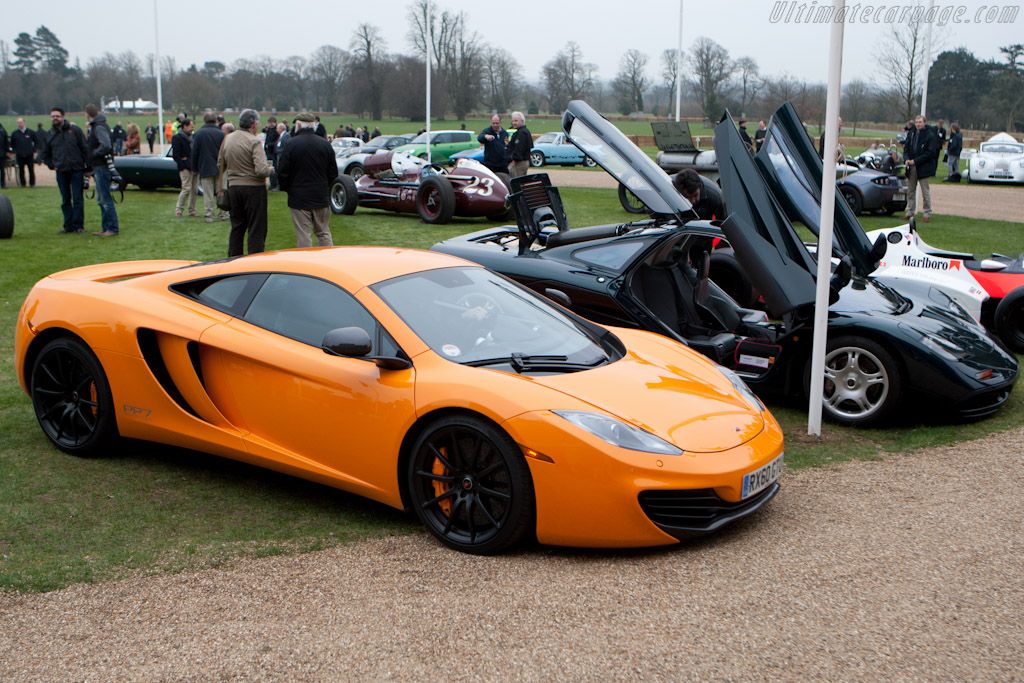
(72, 398)
(470, 485)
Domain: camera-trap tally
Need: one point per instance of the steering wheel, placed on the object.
(480, 300)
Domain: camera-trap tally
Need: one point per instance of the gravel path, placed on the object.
(908, 568)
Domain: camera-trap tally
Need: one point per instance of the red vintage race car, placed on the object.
(403, 183)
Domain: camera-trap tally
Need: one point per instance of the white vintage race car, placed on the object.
(1000, 160)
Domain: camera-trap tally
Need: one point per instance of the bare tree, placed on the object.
(457, 51)
(855, 101)
(631, 82)
(502, 78)
(901, 58)
(368, 51)
(749, 81)
(568, 77)
(670, 70)
(712, 69)
(129, 76)
(327, 67)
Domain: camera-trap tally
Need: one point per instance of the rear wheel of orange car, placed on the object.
(72, 399)
(470, 485)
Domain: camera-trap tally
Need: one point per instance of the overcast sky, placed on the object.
(532, 30)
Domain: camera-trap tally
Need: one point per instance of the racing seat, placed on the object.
(538, 209)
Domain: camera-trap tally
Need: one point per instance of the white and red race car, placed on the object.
(990, 288)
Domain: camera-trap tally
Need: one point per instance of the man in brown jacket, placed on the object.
(243, 165)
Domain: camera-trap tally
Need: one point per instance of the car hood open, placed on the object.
(598, 139)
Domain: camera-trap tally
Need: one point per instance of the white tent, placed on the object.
(131, 105)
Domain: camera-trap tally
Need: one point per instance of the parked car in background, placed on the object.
(148, 172)
(554, 149)
(340, 144)
(376, 144)
(443, 143)
(473, 154)
(1000, 159)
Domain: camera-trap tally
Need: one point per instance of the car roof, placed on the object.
(351, 267)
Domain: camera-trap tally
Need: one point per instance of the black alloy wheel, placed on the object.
(72, 398)
(471, 486)
(853, 199)
(344, 196)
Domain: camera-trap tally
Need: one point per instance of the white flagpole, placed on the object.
(159, 86)
(679, 62)
(828, 201)
(927, 59)
(428, 34)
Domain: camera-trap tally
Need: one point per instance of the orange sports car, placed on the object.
(413, 378)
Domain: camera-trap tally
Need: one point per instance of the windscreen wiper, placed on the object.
(521, 363)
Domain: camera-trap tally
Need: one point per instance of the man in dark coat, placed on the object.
(519, 146)
(306, 170)
(205, 147)
(956, 147)
(181, 152)
(23, 143)
(65, 152)
(495, 141)
(101, 147)
(922, 157)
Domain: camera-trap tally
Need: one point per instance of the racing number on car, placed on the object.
(480, 186)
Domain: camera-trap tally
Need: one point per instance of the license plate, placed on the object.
(899, 196)
(762, 477)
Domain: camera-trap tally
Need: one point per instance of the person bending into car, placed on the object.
(704, 195)
(306, 170)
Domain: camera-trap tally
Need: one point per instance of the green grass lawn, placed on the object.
(152, 508)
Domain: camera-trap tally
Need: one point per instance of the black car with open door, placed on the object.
(885, 351)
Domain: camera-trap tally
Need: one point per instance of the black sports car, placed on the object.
(885, 351)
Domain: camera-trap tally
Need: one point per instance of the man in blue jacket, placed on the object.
(495, 142)
(921, 157)
(205, 147)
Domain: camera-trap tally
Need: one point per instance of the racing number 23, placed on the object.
(480, 186)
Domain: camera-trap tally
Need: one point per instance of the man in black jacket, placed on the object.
(519, 146)
(205, 147)
(306, 170)
(101, 147)
(181, 152)
(23, 142)
(494, 138)
(66, 153)
(921, 157)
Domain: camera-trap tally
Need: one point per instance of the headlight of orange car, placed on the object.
(618, 433)
(741, 386)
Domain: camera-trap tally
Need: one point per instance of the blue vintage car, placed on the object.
(553, 148)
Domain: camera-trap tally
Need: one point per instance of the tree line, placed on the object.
(470, 75)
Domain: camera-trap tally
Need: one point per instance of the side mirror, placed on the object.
(354, 342)
(878, 250)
